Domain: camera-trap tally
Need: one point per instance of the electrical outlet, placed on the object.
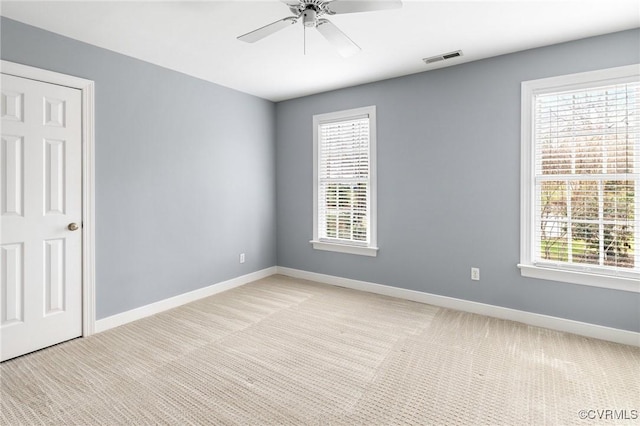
(475, 274)
(241, 257)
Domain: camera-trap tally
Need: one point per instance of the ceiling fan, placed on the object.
(311, 13)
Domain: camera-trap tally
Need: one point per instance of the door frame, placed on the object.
(87, 89)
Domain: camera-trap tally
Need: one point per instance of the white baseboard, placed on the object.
(560, 324)
(173, 302)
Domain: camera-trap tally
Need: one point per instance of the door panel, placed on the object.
(12, 190)
(40, 188)
(12, 284)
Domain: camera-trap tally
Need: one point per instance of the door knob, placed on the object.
(73, 226)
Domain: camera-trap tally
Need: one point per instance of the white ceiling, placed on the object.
(199, 38)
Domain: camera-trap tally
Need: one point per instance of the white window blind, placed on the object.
(586, 147)
(344, 181)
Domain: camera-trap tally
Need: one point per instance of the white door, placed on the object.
(40, 208)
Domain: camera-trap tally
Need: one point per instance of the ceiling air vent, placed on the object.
(442, 57)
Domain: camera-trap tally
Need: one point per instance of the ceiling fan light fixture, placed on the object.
(309, 17)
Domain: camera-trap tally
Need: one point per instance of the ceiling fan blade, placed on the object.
(295, 6)
(345, 46)
(353, 6)
(267, 30)
(290, 3)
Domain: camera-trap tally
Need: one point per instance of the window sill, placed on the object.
(345, 248)
(583, 278)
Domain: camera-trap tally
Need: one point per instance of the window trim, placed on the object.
(529, 89)
(370, 249)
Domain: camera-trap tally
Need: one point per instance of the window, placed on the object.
(581, 178)
(344, 172)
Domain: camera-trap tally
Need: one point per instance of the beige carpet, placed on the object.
(286, 351)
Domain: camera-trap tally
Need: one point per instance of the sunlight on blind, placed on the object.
(587, 168)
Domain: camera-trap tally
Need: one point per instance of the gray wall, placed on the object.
(183, 183)
(448, 182)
